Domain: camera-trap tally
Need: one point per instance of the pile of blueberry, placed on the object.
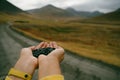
(44, 51)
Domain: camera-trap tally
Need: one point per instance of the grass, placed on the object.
(96, 41)
(99, 41)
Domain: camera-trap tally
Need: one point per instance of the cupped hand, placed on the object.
(50, 64)
(27, 62)
(57, 54)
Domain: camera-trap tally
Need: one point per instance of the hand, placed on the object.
(52, 60)
(57, 53)
(26, 63)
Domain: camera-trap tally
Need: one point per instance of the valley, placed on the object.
(91, 39)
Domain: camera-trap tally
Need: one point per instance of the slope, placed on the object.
(113, 16)
(6, 6)
(51, 11)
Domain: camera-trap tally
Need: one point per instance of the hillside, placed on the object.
(6, 6)
(113, 16)
(52, 11)
(9, 12)
(84, 14)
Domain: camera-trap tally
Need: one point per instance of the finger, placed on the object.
(51, 44)
(54, 45)
(40, 45)
(44, 45)
(32, 47)
(48, 45)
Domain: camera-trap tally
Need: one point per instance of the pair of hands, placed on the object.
(28, 63)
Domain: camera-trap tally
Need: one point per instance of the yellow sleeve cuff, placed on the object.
(53, 77)
(19, 74)
(7, 78)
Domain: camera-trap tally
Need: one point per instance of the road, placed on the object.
(73, 67)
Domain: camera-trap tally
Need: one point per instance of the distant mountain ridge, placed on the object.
(84, 13)
(112, 16)
(53, 11)
(6, 6)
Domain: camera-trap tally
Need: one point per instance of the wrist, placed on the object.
(26, 65)
(52, 63)
(42, 59)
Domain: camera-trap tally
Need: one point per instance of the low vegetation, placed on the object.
(96, 41)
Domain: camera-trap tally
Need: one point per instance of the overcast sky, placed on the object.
(81, 5)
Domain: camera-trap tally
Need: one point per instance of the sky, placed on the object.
(80, 5)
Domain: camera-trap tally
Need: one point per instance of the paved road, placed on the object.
(73, 67)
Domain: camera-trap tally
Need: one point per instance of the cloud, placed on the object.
(24, 4)
(83, 5)
(101, 5)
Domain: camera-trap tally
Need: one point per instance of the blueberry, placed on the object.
(44, 51)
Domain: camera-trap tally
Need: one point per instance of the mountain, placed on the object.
(6, 6)
(112, 16)
(72, 11)
(52, 11)
(84, 13)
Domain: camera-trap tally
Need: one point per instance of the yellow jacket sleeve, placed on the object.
(53, 77)
(7, 78)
